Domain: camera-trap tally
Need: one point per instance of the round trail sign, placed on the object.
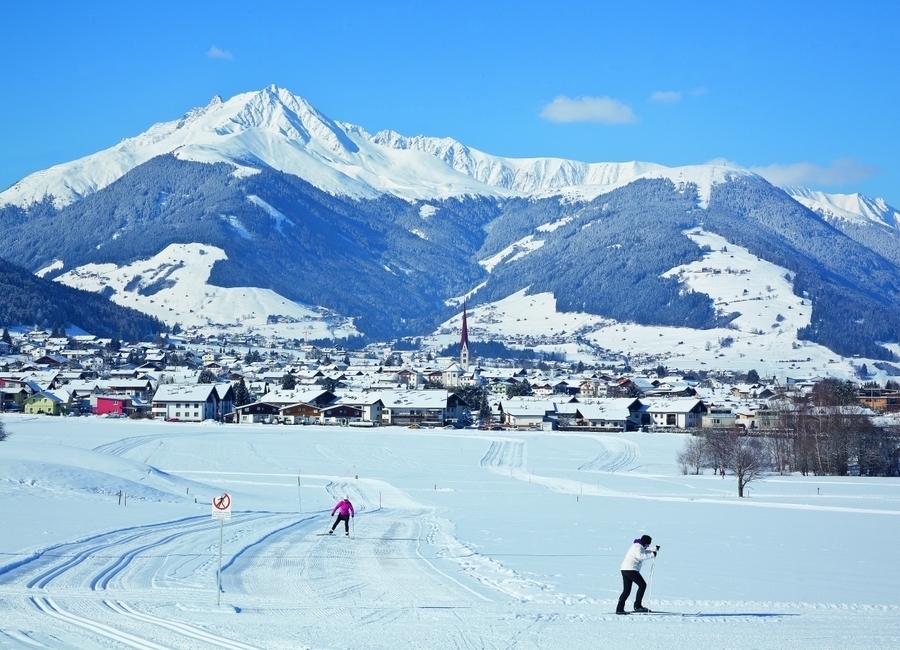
(221, 506)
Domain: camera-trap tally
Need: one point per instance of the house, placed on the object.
(421, 407)
(341, 414)
(369, 403)
(683, 413)
(718, 417)
(300, 413)
(193, 402)
(257, 412)
(527, 412)
(140, 388)
(48, 402)
(112, 405)
(884, 401)
(616, 414)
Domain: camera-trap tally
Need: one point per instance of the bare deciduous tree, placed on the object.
(748, 460)
(692, 456)
(747, 457)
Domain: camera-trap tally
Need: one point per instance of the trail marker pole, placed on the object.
(221, 510)
(219, 572)
(299, 501)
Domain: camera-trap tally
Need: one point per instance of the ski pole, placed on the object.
(650, 582)
(328, 527)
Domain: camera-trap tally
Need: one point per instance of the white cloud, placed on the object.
(215, 53)
(842, 171)
(605, 110)
(665, 96)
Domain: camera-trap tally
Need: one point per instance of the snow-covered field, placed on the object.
(462, 539)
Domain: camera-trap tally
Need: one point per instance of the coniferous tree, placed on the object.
(241, 394)
(288, 382)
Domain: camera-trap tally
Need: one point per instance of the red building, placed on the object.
(112, 404)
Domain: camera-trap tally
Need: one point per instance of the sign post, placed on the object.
(221, 510)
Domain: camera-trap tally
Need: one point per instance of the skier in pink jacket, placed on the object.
(345, 510)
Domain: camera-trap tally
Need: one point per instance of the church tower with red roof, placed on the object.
(464, 342)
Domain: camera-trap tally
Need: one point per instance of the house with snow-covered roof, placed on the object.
(193, 402)
(421, 407)
(681, 413)
(615, 414)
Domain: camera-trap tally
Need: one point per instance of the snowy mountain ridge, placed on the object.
(855, 207)
(276, 128)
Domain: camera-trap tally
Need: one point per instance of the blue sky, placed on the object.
(808, 92)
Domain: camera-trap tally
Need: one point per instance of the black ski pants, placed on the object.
(629, 578)
(345, 519)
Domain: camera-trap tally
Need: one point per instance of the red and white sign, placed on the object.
(221, 506)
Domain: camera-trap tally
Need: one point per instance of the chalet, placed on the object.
(341, 414)
(257, 412)
(300, 413)
(193, 402)
(52, 361)
(883, 401)
(409, 377)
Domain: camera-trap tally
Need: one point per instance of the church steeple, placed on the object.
(464, 342)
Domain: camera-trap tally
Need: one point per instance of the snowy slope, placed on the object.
(763, 337)
(856, 208)
(276, 128)
(174, 287)
(460, 540)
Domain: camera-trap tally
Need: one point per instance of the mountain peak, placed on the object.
(281, 130)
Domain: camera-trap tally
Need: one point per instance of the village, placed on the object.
(248, 380)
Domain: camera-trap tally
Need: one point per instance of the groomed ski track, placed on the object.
(405, 578)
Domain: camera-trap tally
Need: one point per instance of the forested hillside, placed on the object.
(26, 299)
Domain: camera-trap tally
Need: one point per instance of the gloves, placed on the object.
(657, 548)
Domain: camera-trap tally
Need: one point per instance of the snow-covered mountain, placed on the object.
(278, 129)
(854, 208)
(379, 233)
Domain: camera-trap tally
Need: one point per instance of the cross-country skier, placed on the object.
(346, 511)
(631, 573)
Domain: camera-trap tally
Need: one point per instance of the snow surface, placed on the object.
(174, 287)
(462, 539)
(277, 128)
